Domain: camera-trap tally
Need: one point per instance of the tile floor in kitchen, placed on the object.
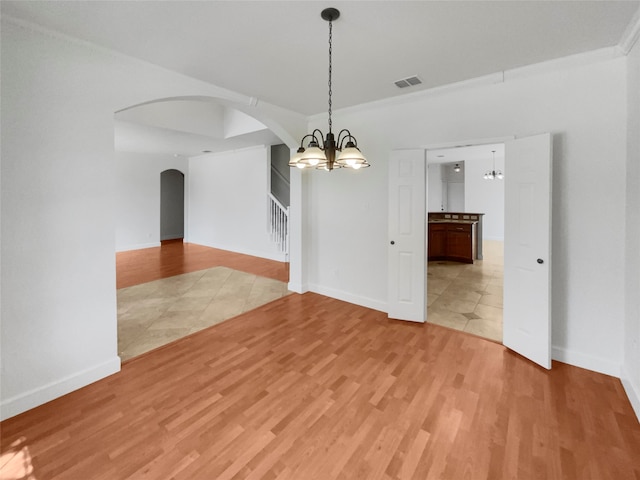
(468, 297)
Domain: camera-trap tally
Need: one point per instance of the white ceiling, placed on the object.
(277, 52)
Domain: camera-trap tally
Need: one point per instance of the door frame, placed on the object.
(550, 199)
(439, 146)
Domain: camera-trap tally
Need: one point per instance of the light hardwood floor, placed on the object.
(308, 387)
(168, 292)
(175, 257)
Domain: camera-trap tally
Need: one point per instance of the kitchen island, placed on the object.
(455, 236)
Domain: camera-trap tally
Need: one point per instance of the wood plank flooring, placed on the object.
(139, 332)
(174, 258)
(309, 387)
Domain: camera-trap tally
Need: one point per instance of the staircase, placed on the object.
(279, 224)
(278, 198)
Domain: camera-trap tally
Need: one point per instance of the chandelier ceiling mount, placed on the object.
(328, 152)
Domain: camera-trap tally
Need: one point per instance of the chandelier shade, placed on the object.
(326, 152)
(313, 156)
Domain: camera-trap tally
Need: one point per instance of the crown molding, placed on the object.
(421, 94)
(631, 34)
(558, 64)
(222, 94)
(563, 63)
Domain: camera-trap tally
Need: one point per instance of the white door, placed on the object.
(527, 248)
(407, 219)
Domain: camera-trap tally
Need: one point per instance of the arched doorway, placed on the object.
(162, 138)
(171, 205)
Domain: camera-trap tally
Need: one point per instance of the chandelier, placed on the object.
(493, 174)
(320, 153)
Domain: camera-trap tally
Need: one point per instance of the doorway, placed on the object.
(468, 296)
(171, 205)
(527, 253)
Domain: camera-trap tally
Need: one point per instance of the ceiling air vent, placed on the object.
(408, 82)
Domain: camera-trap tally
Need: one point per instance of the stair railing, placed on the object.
(279, 224)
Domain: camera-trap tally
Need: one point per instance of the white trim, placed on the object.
(41, 395)
(224, 93)
(297, 287)
(630, 35)
(568, 62)
(468, 143)
(582, 360)
(632, 391)
(412, 97)
(564, 63)
(350, 298)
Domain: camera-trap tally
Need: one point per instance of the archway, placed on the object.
(171, 205)
(198, 148)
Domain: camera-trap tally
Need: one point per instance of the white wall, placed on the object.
(137, 197)
(585, 109)
(485, 196)
(453, 185)
(228, 202)
(226, 198)
(58, 200)
(435, 201)
(631, 367)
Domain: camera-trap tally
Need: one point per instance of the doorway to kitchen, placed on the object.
(467, 296)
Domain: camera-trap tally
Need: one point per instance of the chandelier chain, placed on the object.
(328, 152)
(330, 69)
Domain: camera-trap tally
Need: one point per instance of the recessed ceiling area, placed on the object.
(187, 128)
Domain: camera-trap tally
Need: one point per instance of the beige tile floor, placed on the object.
(153, 314)
(468, 297)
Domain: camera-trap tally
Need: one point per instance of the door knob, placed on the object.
(540, 261)
(392, 242)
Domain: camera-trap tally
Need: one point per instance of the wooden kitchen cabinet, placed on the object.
(464, 217)
(437, 240)
(454, 241)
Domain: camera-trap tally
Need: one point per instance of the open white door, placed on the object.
(527, 248)
(407, 218)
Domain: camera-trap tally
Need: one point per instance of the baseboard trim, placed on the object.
(588, 362)
(632, 391)
(297, 287)
(347, 297)
(41, 395)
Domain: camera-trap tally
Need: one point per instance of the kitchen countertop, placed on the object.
(451, 220)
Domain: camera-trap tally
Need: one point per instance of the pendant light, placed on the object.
(493, 174)
(329, 153)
